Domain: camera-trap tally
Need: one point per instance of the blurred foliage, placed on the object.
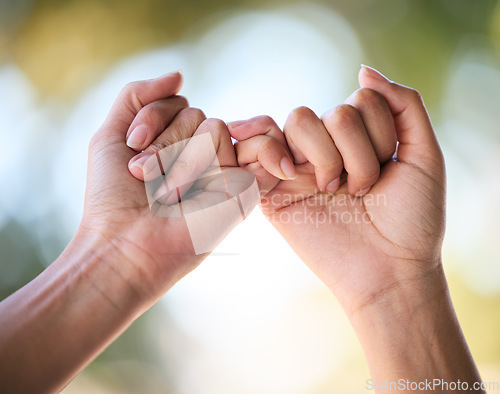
(19, 260)
(495, 27)
(63, 45)
(417, 45)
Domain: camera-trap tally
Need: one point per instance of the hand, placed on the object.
(193, 184)
(361, 247)
(371, 226)
(155, 251)
(136, 238)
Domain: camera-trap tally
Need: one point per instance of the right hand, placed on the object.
(348, 153)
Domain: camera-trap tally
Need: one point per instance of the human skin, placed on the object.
(122, 258)
(380, 252)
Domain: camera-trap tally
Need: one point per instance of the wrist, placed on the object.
(406, 307)
(146, 274)
(401, 294)
(406, 304)
(95, 261)
(411, 332)
(76, 308)
(382, 286)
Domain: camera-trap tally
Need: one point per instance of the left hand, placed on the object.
(155, 251)
(160, 247)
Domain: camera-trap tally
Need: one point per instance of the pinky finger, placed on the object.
(269, 153)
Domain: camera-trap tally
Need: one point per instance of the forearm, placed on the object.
(412, 333)
(59, 322)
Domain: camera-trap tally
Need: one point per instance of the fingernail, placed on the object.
(139, 163)
(236, 123)
(333, 186)
(171, 73)
(288, 168)
(362, 192)
(137, 137)
(371, 72)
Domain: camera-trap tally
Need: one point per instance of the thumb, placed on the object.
(418, 144)
(136, 95)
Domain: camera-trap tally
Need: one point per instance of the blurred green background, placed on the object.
(63, 62)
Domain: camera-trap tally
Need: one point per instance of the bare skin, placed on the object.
(380, 254)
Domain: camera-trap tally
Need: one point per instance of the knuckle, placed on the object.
(189, 119)
(130, 93)
(368, 97)
(195, 114)
(414, 95)
(264, 120)
(300, 116)
(214, 126)
(268, 144)
(410, 94)
(151, 114)
(182, 101)
(131, 88)
(215, 123)
(345, 115)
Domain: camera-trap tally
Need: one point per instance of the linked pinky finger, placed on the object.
(269, 153)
